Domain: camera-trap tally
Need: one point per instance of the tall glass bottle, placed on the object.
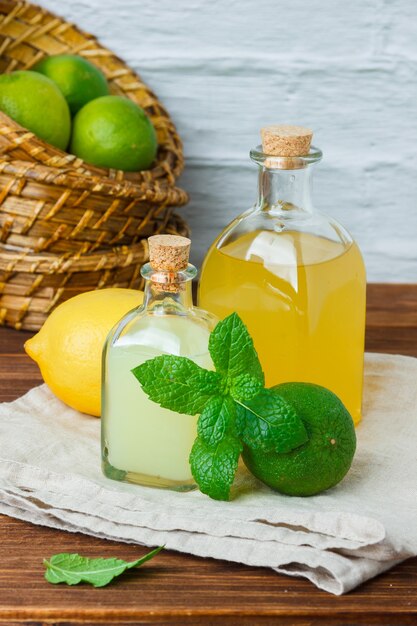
(141, 442)
(295, 276)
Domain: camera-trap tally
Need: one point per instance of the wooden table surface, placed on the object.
(180, 589)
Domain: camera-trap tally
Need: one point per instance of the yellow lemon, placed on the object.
(68, 347)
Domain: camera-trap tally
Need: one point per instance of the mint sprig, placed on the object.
(233, 406)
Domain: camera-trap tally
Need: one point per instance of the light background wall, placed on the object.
(224, 68)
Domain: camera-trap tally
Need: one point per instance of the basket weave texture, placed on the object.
(66, 226)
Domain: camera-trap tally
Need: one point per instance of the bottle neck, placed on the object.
(168, 293)
(282, 190)
(167, 302)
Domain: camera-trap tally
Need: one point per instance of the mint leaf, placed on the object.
(216, 419)
(245, 387)
(177, 383)
(74, 568)
(214, 467)
(268, 422)
(232, 350)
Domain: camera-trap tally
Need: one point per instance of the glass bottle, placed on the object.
(295, 276)
(141, 442)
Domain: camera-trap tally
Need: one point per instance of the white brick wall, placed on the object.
(224, 68)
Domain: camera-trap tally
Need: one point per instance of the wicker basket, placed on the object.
(33, 284)
(45, 208)
(56, 207)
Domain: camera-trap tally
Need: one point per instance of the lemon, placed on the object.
(324, 459)
(35, 102)
(79, 80)
(68, 348)
(114, 132)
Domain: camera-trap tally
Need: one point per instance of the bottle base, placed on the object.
(145, 480)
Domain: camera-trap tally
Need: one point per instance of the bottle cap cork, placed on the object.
(169, 252)
(283, 140)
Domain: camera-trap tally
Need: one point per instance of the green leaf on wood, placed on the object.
(73, 569)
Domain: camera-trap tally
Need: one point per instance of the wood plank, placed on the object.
(181, 589)
(177, 588)
(391, 324)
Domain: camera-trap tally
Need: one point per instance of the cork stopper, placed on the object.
(282, 140)
(169, 252)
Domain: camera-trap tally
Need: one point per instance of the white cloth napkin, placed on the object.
(50, 475)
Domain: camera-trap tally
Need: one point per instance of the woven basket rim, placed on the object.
(158, 171)
(114, 254)
(151, 190)
(32, 262)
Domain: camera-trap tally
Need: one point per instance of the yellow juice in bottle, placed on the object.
(293, 274)
(302, 297)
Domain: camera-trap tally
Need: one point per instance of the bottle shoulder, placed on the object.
(276, 240)
(185, 333)
(257, 220)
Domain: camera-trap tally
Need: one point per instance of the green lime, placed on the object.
(79, 80)
(35, 102)
(114, 132)
(320, 463)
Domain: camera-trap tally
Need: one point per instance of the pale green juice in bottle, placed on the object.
(142, 442)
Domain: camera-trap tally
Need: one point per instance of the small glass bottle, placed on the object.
(295, 276)
(141, 442)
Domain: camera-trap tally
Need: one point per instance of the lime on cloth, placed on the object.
(50, 475)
